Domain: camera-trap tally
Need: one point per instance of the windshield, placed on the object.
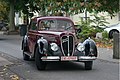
(59, 25)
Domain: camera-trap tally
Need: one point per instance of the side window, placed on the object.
(33, 25)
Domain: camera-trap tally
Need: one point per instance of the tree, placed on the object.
(3, 11)
(15, 6)
(11, 14)
(51, 7)
(77, 6)
(27, 7)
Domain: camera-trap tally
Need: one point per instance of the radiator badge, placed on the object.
(65, 40)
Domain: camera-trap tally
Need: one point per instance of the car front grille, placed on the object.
(67, 45)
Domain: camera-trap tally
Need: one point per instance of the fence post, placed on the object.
(116, 46)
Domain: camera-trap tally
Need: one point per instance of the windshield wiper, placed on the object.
(66, 28)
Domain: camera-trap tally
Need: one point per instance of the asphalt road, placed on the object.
(102, 70)
(11, 45)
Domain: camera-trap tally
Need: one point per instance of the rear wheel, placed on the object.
(88, 65)
(41, 65)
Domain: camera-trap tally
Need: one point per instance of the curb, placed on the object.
(103, 60)
(9, 32)
(8, 59)
(105, 54)
(4, 62)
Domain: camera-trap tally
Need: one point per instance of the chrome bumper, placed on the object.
(50, 58)
(57, 58)
(87, 58)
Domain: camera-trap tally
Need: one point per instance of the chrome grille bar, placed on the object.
(67, 45)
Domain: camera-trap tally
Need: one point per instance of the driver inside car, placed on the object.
(41, 25)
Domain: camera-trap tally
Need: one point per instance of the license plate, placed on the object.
(68, 58)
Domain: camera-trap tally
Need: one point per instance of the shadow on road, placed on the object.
(2, 39)
(60, 66)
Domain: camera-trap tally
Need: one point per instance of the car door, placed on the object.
(32, 35)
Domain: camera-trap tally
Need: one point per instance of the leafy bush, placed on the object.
(105, 34)
(90, 30)
(87, 30)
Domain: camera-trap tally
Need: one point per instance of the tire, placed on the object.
(88, 65)
(111, 33)
(41, 65)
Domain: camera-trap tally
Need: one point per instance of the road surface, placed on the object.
(102, 70)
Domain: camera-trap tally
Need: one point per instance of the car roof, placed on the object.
(115, 25)
(51, 17)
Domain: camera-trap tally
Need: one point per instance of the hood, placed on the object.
(55, 36)
(51, 32)
(56, 33)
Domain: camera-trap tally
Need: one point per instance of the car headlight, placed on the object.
(54, 46)
(80, 47)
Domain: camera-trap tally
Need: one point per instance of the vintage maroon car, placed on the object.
(54, 39)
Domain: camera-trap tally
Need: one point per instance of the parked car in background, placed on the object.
(112, 29)
(54, 39)
(3, 25)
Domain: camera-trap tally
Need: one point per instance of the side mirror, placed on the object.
(77, 32)
(77, 28)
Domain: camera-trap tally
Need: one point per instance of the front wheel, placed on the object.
(41, 65)
(88, 65)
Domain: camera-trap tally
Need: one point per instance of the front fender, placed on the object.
(24, 42)
(42, 45)
(90, 47)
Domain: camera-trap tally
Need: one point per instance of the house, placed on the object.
(112, 20)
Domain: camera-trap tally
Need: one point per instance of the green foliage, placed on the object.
(90, 30)
(99, 22)
(87, 30)
(105, 35)
(72, 7)
(4, 11)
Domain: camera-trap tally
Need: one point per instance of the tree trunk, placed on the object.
(11, 17)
